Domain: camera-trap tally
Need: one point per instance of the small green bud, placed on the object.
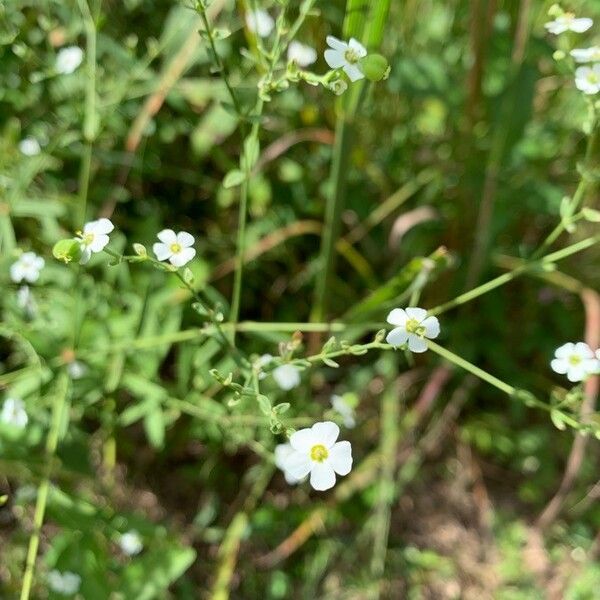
(140, 250)
(67, 250)
(375, 67)
(559, 55)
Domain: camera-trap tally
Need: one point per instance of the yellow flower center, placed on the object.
(318, 453)
(351, 56)
(574, 360)
(88, 238)
(592, 78)
(413, 326)
(175, 248)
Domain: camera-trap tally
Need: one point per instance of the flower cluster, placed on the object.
(13, 413)
(587, 77)
(65, 583)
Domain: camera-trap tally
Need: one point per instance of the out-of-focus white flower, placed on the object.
(568, 22)
(316, 451)
(282, 453)
(76, 369)
(345, 56)
(29, 146)
(576, 361)
(260, 22)
(301, 54)
(286, 376)
(338, 87)
(584, 55)
(587, 79)
(261, 362)
(413, 326)
(13, 413)
(94, 238)
(344, 410)
(68, 59)
(27, 267)
(131, 543)
(66, 583)
(26, 302)
(174, 247)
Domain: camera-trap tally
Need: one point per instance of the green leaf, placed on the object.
(154, 425)
(264, 404)
(233, 178)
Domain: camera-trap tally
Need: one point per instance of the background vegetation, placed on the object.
(455, 169)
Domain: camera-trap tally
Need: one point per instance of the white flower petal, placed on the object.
(354, 72)
(581, 25)
(161, 251)
(397, 317)
(397, 337)
(185, 239)
(301, 54)
(416, 343)
(102, 225)
(340, 458)
(336, 44)
(182, 258)
(286, 376)
(99, 242)
(357, 47)
(167, 236)
(416, 313)
(559, 365)
(432, 327)
(334, 59)
(303, 440)
(282, 451)
(297, 465)
(322, 476)
(583, 350)
(576, 373)
(326, 433)
(565, 350)
(86, 254)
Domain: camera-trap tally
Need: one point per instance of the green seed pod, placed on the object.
(67, 250)
(375, 67)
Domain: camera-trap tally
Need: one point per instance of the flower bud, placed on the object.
(67, 250)
(375, 67)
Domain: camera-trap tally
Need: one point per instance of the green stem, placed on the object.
(90, 125)
(42, 495)
(331, 226)
(506, 277)
(471, 368)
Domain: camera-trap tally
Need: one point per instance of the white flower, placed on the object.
(412, 326)
(301, 54)
(68, 59)
(131, 543)
(576, 361)
(261, 362)
(587, 79)
(315, 451)
(29, 146)
(260, 22)
(345, 56)
(568, 22)
(344, 410)
(76, 369)
(27, 267)
(282, 453)
(286, 376)
(584, 55)
(13, 413)
(66, 583)
(26, 301)
(176, 248)
(94, 238)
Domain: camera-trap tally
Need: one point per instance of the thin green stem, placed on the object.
(44, 487)
(471, 368)
(506, 277)
(90, 125)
